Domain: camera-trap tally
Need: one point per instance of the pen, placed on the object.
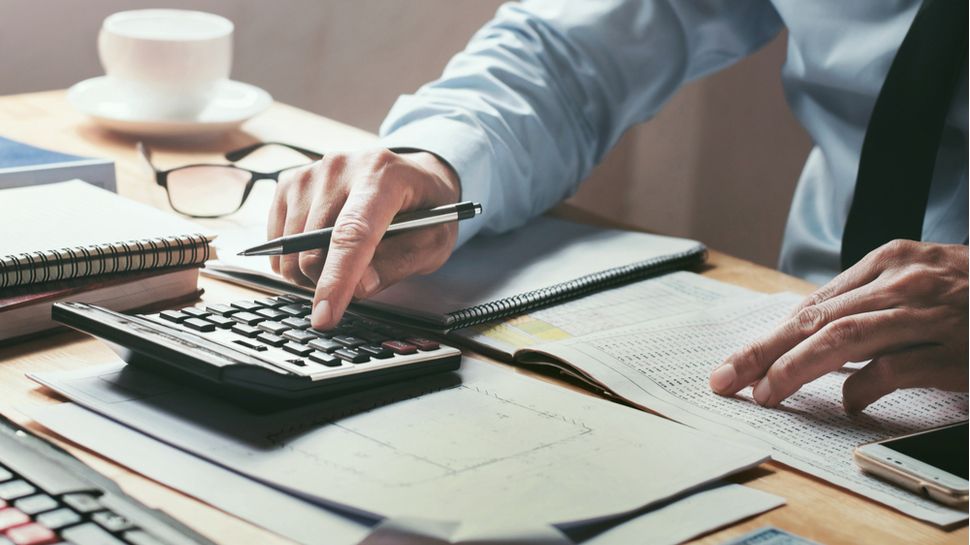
(407, 221)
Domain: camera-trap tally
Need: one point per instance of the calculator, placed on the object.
(263, 352)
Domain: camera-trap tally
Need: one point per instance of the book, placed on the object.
(24, 165)
(546, 262)
(73, 230)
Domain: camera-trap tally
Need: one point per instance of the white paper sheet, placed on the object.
(665, 366)
(652, 299)
(497, 446)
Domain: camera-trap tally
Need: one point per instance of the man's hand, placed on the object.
(904, 306)
(359, 194)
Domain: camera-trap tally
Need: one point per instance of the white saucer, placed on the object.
(234, 102)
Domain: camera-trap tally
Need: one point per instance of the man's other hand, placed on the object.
(904, 306)
(359, 194)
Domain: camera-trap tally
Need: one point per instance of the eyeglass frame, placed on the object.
(161, 176)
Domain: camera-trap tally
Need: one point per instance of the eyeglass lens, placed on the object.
(207, 190)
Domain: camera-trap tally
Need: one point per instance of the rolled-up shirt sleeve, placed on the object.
(546, 88)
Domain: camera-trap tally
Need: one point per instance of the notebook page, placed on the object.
(74, 213)
(664, 365)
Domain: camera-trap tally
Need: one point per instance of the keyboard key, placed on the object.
(252, 345)
(222, 310)
(11, 517)
(245, 330)
(141, 537)
(270, 339)
(324, 345)
(199, 324)
(276, 328)
(59, 518)
(173, 316)
(297, 323)
(31, 534)
(272, 302)
(36, 504)
(15, 489)
(349, 341)
(299, 336)
(82, 503)
(351, 355)
(222, 322)
(297, 348)
(89, 534)
(247, 318)
(112, 522)
(271, 314)
(297, 311)
(250, 306)
(425, 345)
(325, 359)
(399, 347)
(195, 312)
(378, 352)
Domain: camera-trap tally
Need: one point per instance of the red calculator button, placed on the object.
(31, 534)
(423, 344)
(399, 347)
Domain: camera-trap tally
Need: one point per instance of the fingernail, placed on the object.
(762, 391)
(321, 313)
(370, 281)
(722, 378)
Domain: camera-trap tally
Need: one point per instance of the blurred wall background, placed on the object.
(718, 164)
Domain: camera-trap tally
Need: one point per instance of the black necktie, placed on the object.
(903, 137)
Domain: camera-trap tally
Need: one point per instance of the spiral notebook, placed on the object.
(545, 262)
(73, 230)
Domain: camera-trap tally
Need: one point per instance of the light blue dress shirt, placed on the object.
(544, 90)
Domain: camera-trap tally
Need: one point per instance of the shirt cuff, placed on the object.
(465, 149)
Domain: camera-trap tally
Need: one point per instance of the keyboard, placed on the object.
(264, 352)
(47, 496)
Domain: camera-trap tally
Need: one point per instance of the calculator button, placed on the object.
(195, 312)
(297, 323)
(349, 341)
(31, 534)
(112, 522)
(399, 347)
(324, 345)
(247, 305)
(299, 336)
(273, 327)
(297, 348)
(11, 517)
(59, 519)
(378, 352)
(173, 316)
(84, 503)
(222, 310)
(272, 302)
(251, 345)
(270, 339)
(247, 318)
(199, 324)
(222, 322)
(35, 504)
(245, 330)
(423, 344)
(297, 311)
(351, 355)
(15, 489)
(325, 359)
(291, 299)
(89, 533)
(271, 314)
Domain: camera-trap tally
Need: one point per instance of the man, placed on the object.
(544, 90)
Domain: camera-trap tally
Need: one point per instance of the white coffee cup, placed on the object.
(166, 62)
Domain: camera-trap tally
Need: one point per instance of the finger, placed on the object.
(297, 209)
(865, 271)
(322, 214)
(419, 252)
(910, 368)
(752, 362)
(274, 224)
(357, 231)
(853, 338)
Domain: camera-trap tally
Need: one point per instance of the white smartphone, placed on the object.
(932, 463)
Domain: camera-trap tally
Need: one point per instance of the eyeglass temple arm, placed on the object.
(146, 154)
(239, 154)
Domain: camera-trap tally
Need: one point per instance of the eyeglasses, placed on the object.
(206, 190)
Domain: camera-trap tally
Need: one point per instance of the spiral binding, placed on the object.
(83, 261)
(531, 300)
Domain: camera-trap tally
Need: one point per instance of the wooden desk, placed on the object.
(815, 509)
